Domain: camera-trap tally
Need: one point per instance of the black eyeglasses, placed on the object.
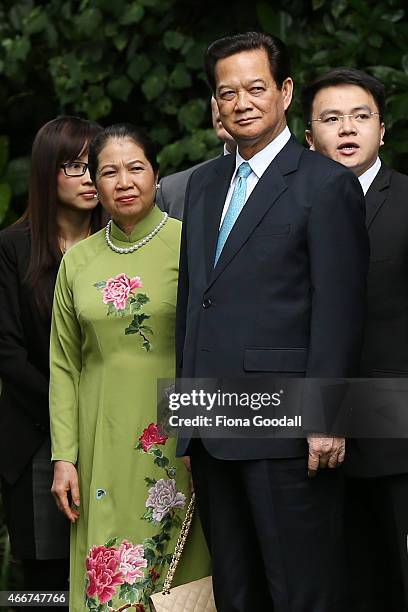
(75, 168)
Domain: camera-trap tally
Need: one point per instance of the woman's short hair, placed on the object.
(119, 131)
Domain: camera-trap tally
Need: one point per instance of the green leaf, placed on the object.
(404, 63)
(338, 7)
(316, 4)
(111, 309)
(399, 106)
(375, 40)
(139, 318)
(150, 481)
(37, 21)
(162, 462)
(120, 88)
(97, 109)
(177, 521)
(149, 554)
(146, 329)
(100, 284)
(194, 56)
(173, 40)
(4, 153)
(161, 135)
(393, 17)
(180, 78)
(328, 24)
(149, 542)
(17, 175)
(120, 40)
(171, 155)
(5, 197)
(111, 542)
(142, 298)
(17, 14)
(89, 21)
(147, 345)
(132, 14)
(134, 307)
(192, 114)
(18, 49)
(138, 67)
(132, 595)
(155, 84)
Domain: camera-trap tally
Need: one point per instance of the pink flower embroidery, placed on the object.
(118, 289)
(131, 561)
(152, 435)
(103, 572)
(163, 497)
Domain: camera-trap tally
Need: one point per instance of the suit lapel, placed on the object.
(268, 189)
(377, 194)
(214, 200)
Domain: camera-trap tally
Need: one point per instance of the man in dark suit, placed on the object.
(172, 189)
(345, 113)
(273, 266)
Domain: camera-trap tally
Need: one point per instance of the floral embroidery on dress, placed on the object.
(131, 572)
(119, 294)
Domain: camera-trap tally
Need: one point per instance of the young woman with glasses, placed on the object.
(62, 210)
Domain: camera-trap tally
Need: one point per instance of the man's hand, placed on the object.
(325, 452)
(66, 481)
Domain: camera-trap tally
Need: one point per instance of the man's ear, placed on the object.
(309, 139)
(382, 132)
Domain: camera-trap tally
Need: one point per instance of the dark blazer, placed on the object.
(24, 355)
(172, 191)
(287, 296)
(385, 349)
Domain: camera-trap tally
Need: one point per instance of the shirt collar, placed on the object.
(369, 175)
(260, 161)
(226, 152)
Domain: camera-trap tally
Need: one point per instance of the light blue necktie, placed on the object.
(236, 205)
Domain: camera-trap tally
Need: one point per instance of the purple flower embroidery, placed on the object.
(163, 497)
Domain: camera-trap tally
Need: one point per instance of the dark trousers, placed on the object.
(275, 536)
(377, 536)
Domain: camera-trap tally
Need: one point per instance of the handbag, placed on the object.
(195, 596)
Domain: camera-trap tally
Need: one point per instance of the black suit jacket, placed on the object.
(24, 356)
(385, 349)
(287, 296)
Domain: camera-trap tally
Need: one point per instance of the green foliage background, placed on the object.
(141, 61)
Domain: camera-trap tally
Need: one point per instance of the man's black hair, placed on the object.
(342, 76)
(278, 55)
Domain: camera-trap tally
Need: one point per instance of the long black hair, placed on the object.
(60, 140)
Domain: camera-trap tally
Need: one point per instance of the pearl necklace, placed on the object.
(139, 244)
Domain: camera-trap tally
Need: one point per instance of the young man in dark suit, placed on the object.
(344, 110)
(273, 267)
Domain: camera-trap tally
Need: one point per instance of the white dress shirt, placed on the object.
(259, 163)
(369, 175)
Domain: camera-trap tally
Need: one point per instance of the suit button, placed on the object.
(207, 303)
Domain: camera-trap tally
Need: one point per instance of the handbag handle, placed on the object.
(185, 528)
